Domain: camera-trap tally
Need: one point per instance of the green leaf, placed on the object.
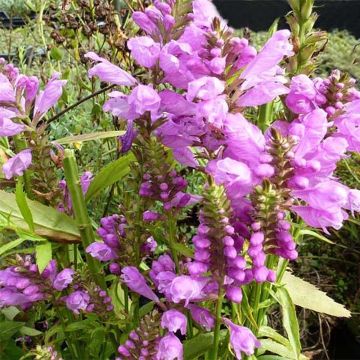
(43, 255)
(290, 321)
(97, 339)
(9, 328)
(266, 331)
(109, 175)
(86, 324)
(272, 357)
(144, 310)
(25, 330)
(88, 137)
(23, 205)
(10, 312)
(310, 297)
(200, 344)
(48, 222)
(278, 349)
(183, 250)
(10, 245)
(56, 54)
(315, 235)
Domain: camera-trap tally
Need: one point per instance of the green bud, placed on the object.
(295, 5)
(307, 8)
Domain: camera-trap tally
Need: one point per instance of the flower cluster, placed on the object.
(22, 106)
(22, 284)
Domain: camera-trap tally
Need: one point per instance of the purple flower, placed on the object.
(9, 128)
(101, 251)
(205, 88)
(242, 339)
(144, 50)
(144, 22)
(63, 279)
(7, 93)
(150, 216)
(108, 72)
(301, 98)
(234, 294)
(17, 164)
(78, 300)
(149, 246)
(30, 85)
(170, 348)
(48, 98)
(174, 320)
(11, 297)
(136, 282)
(143, 98)
(202, 316)
(185, 288)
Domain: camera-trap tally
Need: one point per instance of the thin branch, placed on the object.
(61, 113)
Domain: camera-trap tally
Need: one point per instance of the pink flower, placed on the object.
(17, 164)
(101, 251)
(136, 282)
(78, 300)
(205, 88)
(48, 98)
(170, 348)
(63, 279)
(142, 99)
(108, 72)
(202, 316)
(144, 50)
(185, 288)
(174, 320)
(242, 339)
(9, 128)
(301, 98)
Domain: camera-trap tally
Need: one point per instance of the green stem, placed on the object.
(214, 354)
(81, 214)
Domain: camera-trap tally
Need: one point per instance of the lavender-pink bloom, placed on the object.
(78, 300)
(186, 288)
(143, 98)
(108, 72)
(202, 316)
(136, 282)
(101, 251)
(7, 93)
(144, 50)
(49, 96)
(242, 339)
(17, 164)
(174, 320)
(170, 348)
(9, 128)
(301, 98)
(205, 88)
(63, 279)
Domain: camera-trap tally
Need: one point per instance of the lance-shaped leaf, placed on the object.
(88, 137)
(109, 175)
(48, 222)
(310, 297)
